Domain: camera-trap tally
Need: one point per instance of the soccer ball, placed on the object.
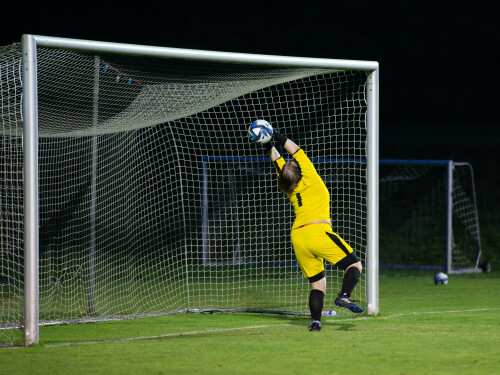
(440, 278)
(260, 131)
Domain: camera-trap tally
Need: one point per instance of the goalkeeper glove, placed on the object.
(280, 138)
(268, 146)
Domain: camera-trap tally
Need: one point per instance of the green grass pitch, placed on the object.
(421, 329)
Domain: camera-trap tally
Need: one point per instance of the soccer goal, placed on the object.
(428, 216)
(117, 162)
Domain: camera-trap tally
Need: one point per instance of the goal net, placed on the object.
(152, 198)
(429, 217)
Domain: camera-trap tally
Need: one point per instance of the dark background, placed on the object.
(438, 62)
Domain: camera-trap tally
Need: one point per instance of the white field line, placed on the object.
(413, 313)
(167, 335)
(217, 330)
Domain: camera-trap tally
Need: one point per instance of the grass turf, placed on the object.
(422, 328)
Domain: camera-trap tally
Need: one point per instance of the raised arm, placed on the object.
(289, 145)
(275, 155)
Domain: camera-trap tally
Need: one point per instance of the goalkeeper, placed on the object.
(312, 236)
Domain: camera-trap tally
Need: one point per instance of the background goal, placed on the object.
(113, 157)
(428, 216)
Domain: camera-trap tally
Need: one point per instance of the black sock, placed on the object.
(316, 301)
(351, 278)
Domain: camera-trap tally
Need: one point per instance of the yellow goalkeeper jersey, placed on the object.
(310, 198)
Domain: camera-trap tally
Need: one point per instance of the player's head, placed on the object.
(289, 177)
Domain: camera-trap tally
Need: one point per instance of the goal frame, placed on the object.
(448, 169)
(30, 43)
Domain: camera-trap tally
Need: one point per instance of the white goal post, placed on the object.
(365, 138)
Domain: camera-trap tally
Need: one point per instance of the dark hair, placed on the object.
(289, 177)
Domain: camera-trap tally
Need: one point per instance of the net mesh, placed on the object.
(466, 245)
(153, 200)
(11, 196)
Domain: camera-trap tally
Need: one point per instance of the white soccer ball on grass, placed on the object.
(440, 278)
